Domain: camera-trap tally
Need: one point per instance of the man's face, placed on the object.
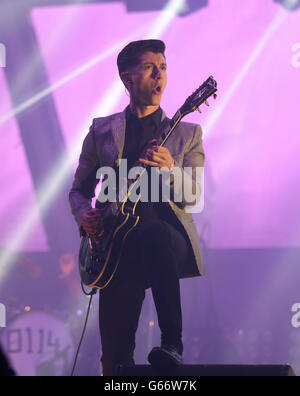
(148, 79)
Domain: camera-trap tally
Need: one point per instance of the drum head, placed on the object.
(38, 344)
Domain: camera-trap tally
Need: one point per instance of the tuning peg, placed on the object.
(215, 96)
(198, 109)
(207, 104)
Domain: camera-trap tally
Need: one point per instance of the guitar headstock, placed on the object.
(200, 96)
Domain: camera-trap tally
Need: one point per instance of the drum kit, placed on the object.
(43, 343)
(41, 339)
(38, 344)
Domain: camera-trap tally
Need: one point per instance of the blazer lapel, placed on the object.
(163, 116)
(118, 129)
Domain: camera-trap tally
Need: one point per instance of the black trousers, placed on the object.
(152, 256)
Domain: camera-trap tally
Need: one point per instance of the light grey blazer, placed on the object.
(103, 146)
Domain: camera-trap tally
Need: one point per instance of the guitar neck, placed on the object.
(172, 125)
(166, 130)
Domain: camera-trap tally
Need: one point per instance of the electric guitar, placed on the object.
(99, 255)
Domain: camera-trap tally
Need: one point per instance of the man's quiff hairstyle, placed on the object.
(130, 56)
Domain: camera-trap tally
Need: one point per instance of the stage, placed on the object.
(58, 72)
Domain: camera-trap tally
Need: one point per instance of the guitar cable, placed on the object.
(91, 294)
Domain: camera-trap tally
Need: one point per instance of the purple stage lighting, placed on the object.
(290, 5)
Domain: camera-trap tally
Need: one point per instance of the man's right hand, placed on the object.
(92, 221)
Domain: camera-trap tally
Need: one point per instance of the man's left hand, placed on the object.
(159, 157)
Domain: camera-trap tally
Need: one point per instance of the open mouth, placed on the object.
(158, 90)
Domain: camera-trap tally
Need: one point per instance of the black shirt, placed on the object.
(139, 131)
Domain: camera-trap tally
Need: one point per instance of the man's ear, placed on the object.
(126, 78)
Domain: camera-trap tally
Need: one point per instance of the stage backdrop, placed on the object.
(251, 138)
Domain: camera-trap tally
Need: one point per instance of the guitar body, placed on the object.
(99, 256)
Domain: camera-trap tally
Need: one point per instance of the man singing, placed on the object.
(164, 247)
